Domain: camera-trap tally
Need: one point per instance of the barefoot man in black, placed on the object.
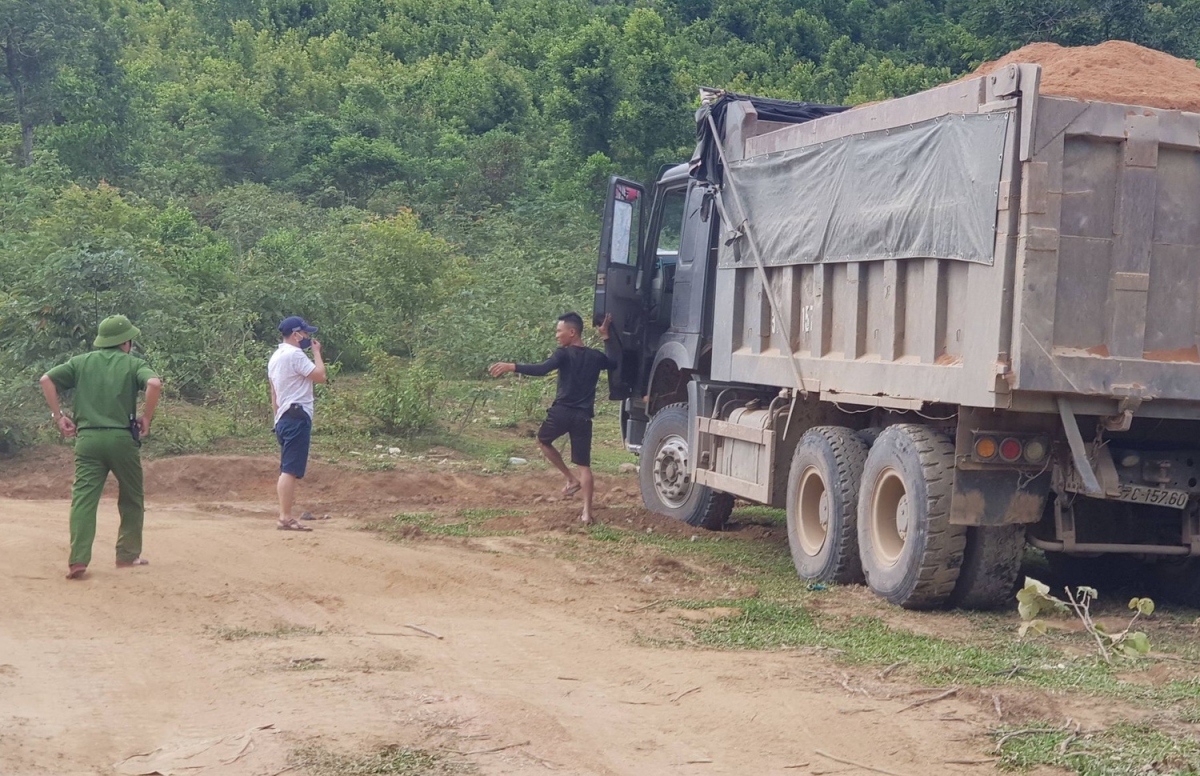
(571, 413)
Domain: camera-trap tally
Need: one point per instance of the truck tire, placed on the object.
(991, 564)
(822, 505)
(663, 475)
(869, 435)
(910, 552)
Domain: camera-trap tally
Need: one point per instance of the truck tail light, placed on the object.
(985, 448)
(1010, 450)
(1035, 451)
(1003, 448)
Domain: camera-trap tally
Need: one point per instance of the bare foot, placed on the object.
(586, 519)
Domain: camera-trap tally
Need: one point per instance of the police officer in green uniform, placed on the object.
(106, 382)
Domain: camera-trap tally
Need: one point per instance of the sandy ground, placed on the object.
(545, 660)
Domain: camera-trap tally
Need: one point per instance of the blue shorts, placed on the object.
(294, 431)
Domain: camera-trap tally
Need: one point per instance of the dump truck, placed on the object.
(932, 329)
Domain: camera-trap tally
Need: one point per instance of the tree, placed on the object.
(35, 39)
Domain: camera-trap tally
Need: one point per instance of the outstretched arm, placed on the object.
(501, 367)
(533, 370)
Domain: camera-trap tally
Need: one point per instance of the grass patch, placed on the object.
(395, 760)
(1119, 750)
(761, 562)
(988, 659)
(281, 632)
(464, 522)
(754, 514)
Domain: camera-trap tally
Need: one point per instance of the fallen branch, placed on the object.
(684, 693)
(487, 751)
(845, 683)
(570, 678)
(697, 762)
(885, 673)
(984, 761)
(797, 765)
(423, 630)
(650, 605)
(996, 704)
(845, 761)
(389, 633)
(948, 693)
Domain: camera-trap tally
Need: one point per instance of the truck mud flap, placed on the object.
(990, 498)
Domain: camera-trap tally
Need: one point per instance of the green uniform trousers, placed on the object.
(98, 452)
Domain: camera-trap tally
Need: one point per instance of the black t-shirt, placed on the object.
(578, 371)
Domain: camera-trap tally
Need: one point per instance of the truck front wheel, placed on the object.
(910, 552)
(822, 499)
(665, 475)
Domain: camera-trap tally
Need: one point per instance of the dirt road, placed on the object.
(240, 643)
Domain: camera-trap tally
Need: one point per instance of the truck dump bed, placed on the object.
(977, 244)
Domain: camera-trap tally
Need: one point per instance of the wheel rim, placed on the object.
(671, 479)
(812, 518)
(891, 517)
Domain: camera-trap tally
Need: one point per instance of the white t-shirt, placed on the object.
(288, 371)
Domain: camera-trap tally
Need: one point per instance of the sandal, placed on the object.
(128, 564)
(571, 490)
(76, 571)
(291, 524)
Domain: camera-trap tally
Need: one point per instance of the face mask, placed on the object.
(305, 343)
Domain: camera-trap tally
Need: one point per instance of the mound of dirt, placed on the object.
(1114, 71)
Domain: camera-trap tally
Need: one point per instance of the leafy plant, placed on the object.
(401, 397)
(1034, 599)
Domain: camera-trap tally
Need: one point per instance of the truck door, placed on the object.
(617, 291)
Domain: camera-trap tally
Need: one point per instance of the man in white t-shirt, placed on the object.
(292, 375)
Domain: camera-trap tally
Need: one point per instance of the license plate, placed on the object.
(1137, 494)
(1159, 497)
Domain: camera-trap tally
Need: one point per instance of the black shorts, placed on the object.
(565, 420)
(294, 430)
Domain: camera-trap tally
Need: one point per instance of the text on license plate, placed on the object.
(1160, 497)
(1138, 494)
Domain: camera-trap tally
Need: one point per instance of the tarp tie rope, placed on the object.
(744, 230)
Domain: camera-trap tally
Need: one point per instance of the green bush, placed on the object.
(400, 397)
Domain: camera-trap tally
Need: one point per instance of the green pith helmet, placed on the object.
(114, 330)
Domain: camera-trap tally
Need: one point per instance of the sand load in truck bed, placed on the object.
(1114, 71)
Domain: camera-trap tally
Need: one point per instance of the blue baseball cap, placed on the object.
(294, 324)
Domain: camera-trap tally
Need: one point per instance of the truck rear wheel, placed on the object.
(665, 479)
(822, 503)
(910, 552)
(991, 563)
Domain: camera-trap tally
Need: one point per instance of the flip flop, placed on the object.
(77, 571)
(291, 525)
(571, 490)
(128, 564)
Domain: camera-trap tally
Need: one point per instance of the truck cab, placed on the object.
(656, 268)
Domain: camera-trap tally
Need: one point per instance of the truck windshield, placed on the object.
(670, 228)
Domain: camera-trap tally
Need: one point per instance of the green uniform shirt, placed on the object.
(106, 384)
